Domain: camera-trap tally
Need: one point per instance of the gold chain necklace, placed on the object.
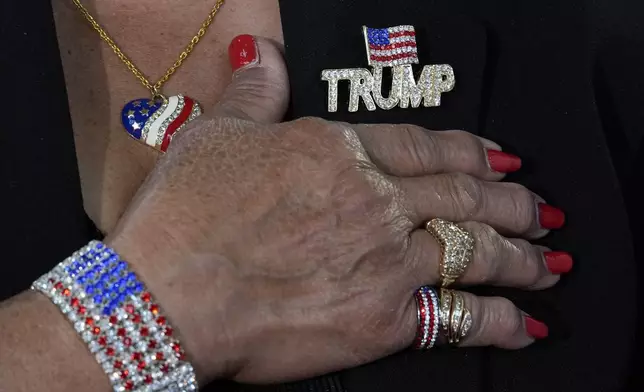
(155, 121)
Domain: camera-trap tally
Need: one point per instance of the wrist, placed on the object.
(189, 305)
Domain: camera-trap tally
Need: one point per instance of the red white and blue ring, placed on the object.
(427, 318)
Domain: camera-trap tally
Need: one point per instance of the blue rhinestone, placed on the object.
(107, 310)
(82, 280)
(121, 266)
(131, 276)
(138, 288)
(129, 290)
(99, 246)
(89, 289)
(98, 299)
(122, 297)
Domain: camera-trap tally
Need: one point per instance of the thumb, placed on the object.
(259, 90)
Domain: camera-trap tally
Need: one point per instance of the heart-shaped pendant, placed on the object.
(155, 122)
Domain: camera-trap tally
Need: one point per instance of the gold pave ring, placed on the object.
(457, 246)
(456, 319)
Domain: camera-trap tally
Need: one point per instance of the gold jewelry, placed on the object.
(456, 319)
(457, 247)
(155, 121)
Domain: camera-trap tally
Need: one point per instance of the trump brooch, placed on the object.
(393, 47)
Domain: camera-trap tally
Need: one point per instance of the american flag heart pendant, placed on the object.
(394, 48)
(155, 121)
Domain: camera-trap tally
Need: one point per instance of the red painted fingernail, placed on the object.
(536, 329)
(551, 217)
(242, 51)
(503, 162)
(558, 262)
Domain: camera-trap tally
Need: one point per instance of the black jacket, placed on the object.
(559, 83)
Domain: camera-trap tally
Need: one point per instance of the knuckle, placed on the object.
(523, 207)
(488, 247)
(420, 145)
(528, 259)
(311, 123)
(503, 317)
(467, 194)
(468, 149)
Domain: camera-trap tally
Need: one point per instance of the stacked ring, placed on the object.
(428, 320)
(456, 319)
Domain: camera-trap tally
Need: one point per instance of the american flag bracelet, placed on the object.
(428, 319)
(119, 321)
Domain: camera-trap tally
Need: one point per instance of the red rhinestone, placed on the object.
(168, 331)
(51, 280)
(129, 385)
(96, 330)
(120, 332)
(58, 285)
(114, 320)
(152, 344)
(146, 297)
(102, 341)
(109, 351)
(141, 365)
(67, 292)
(165, 368)
(154, 309)
(136, 356)
(148, 379)
(161, 320)
(81, 309)
(181, 356)
(129, 308)
(145, 331)
(137, 319)
(124, 374)
(89, 321)
(118, 364)
(127, 342)
(159, 356)
(75, 302)
(176, 347)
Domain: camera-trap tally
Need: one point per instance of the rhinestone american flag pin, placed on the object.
(391, 46)
(395, 48)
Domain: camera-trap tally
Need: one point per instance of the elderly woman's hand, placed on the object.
(282, 251)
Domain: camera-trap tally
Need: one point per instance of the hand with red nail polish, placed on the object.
(273, 233)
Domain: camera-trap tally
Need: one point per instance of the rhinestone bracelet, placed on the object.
(119, 321)
(428, 320)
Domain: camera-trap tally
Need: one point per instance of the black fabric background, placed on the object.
(559, 83)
